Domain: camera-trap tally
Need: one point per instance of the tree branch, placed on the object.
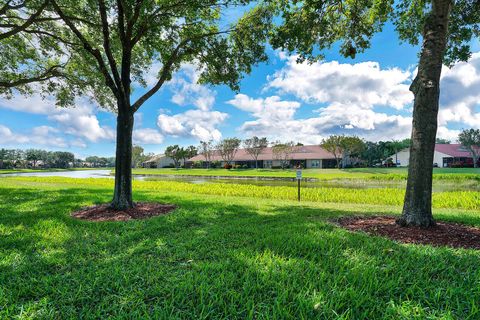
(27, 22)
(121, 21)
(51, 35)
(134, 18)
(88, 47)
(166, 69)
(106, 44)
(48, 74)
(7, 7)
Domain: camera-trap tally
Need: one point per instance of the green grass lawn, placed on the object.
(325, 174)
(218, 257)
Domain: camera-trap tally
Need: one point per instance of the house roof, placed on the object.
(453, 150)
(301, 153)
(155, 158)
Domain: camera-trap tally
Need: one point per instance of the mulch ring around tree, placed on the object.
(443, 234)
(142, 210)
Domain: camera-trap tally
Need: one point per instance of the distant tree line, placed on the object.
(96, 162)
(35, 158)
(178, 154)
(38, 158)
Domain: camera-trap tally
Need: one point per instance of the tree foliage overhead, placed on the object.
(308, 26)
(30, 52)
(409, 18)
(117, 43)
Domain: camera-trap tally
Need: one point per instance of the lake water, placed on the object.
(66, 174)
(353, 183)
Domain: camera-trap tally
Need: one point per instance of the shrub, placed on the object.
(215, 164)
(227, 166)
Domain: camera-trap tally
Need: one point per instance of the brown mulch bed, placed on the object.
(443, 234)
(142, 210)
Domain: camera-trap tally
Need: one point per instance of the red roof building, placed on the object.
(312, 156)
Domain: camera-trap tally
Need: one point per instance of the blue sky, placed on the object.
(282, 100)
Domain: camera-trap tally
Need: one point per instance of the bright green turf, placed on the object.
(218, 257)
(327, 174)
(384, 196)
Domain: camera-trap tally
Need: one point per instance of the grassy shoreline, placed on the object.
(320, 174)
(385, 196)
(218, 257)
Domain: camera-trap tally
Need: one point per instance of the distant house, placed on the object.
(160, 161)
(446, 155)
(312, 156)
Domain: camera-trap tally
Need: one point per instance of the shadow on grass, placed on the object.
(213, 258)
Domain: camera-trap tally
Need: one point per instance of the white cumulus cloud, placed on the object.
(364, 84)
(192, 123)
(147, 136)
(460, 94)
(41, 135)
(80, 121)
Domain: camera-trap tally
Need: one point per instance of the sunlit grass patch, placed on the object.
(232, 256)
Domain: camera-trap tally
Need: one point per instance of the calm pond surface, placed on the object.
(67, 174)
(352, 183)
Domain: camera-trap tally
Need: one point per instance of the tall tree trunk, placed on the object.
(417, 208)
(122, 196)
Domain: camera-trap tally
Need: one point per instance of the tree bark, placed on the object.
(417, 209)
(122, 196)
(474, 157)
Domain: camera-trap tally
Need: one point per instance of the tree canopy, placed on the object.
(30, 52)
(227, 148)
(112, 48)
(254, 146)
(307, 27)
(282, 152)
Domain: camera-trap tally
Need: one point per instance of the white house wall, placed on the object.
(438, 158)
(166, 161)
(403, 158)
